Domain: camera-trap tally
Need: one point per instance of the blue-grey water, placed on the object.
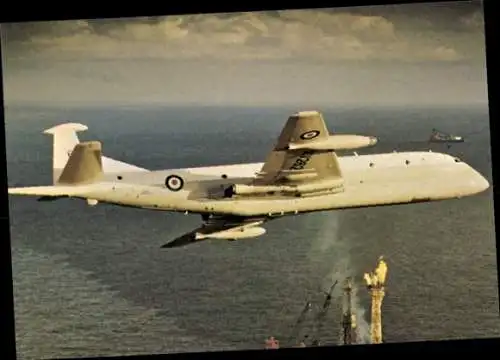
(92, 281)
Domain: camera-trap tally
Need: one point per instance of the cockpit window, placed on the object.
(457, 160)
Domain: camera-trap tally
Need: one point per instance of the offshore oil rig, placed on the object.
(375, 283)
(348, 316)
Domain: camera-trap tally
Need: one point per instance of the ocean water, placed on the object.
(92, 281)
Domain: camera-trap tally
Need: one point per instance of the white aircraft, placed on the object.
(301, 174)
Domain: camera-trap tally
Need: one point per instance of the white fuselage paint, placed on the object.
(370, 180)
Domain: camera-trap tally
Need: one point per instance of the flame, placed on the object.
(379, 276)
(381, 271)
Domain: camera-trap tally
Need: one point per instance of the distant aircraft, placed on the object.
(441, 137)
(301, 174)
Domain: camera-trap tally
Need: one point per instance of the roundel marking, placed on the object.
(174, 182)
(308, 135)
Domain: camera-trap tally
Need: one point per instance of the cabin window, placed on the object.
(119, 177)
(372, 164)
(224, 176)
(407, 162)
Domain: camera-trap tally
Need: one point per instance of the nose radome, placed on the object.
(482, 183)
(479, 182)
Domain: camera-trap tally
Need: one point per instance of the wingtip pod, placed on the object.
(337, 142)
(311, 133)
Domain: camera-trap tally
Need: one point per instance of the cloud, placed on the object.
(474, 21)
(389, 54)
(324, 35)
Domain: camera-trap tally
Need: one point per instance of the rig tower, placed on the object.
(348, 318)
(354, 334)
(375, 281)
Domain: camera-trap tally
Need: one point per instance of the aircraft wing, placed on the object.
(224, 228)
(293, 160)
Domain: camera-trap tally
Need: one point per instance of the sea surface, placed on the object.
(91, 281)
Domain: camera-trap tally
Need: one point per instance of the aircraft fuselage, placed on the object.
(371, 180)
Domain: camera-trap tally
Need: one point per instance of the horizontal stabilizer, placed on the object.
(84, 164)
(46, 191)
(68, 128)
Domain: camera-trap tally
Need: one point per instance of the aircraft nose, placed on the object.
(373, 140)
(480, 183)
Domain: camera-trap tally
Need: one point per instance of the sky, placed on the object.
(409, 54)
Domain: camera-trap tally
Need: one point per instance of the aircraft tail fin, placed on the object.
(65, 140)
